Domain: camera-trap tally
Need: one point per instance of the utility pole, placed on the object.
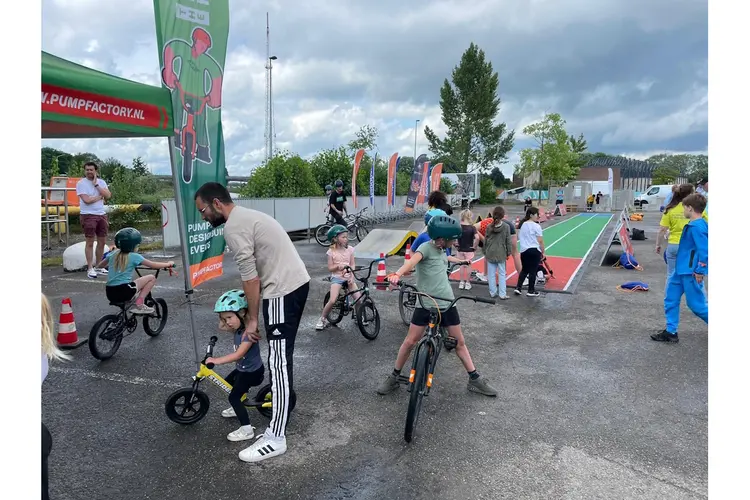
(268, 134)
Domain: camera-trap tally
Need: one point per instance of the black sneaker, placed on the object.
(665, 336)
(517, 291)
(532, 294)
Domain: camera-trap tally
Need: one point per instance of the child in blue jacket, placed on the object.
(690, 270)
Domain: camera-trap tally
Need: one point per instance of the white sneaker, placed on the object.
(481, 277)
(460, 285)
(92, 274)
(467, 286)
(241, 434)
(322, 323)
(101, 270)
(228, 413)
(142, 309)
(263, 448)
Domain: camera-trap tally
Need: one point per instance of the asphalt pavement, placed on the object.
(589, 406)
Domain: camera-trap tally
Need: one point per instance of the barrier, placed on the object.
(620, 236)
(294, 214)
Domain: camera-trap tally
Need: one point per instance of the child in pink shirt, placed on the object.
(340, 255)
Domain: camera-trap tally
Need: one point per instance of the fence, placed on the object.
(294, 214)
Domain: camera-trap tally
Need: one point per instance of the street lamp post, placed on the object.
(271, 130)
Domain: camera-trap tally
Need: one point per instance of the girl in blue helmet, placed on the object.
(249, 369)
(431, 263)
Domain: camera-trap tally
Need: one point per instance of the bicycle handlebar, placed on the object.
(419, 295)
(168, 269)
(210, 351)
(362, 268)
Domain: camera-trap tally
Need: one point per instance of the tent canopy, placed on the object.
(82, 102)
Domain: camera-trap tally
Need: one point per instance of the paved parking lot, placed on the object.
(589, 407)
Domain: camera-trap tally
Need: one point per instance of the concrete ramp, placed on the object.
(385, 241)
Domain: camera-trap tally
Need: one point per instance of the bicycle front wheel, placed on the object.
(362, 231)
(155, 323)
(368, 319)
(418, 388)
(321, 234)
(407, 301)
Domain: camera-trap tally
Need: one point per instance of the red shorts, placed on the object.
(94, 225)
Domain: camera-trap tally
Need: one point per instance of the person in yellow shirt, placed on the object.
(673, 221)
(590, 202)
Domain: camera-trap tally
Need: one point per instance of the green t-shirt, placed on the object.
(432, 275)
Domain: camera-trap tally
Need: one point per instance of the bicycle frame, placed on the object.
(365, 290)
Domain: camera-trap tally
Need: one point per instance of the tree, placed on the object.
(694, 166)
(665, 174)
(286, 175)
(76, 169)
(331, 164)
(578, 146)
(139, 167)
(365, 138)
(498, 179)
(553, 160)
(469, 108)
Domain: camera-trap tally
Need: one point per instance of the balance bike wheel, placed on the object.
(264, 396)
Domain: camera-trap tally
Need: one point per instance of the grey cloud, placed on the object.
(631, 76)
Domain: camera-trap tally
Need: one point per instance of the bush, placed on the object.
(284, 176)
(487, 192)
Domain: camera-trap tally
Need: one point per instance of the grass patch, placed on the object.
(154, 245)
(52, 261)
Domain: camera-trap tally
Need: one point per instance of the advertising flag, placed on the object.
(192, 42)
(395, 177)
(357, 160)
(423, 185)
(437, 171)
(372, 180)
(416, 182)
(391, 184)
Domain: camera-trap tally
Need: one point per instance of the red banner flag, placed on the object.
(437, 171)
(391, 185)
(423, 186)
(357, 159)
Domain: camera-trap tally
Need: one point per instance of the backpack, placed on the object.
(633, 286)
(627, 261)
(638, 234)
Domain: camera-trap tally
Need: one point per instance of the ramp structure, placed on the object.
(386, 241)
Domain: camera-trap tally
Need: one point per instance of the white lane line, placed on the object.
(116, 377)
(78, 280)
(547, 247)
(570, 280)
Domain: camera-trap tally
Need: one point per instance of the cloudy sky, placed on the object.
(632, 76)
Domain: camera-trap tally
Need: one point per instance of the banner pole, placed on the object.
(184, 250)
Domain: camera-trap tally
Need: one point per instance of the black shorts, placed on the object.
(121, 293)
(421, 317)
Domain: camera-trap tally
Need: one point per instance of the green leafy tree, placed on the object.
(499, 179)
(553, 159)
(108, 167)
(665, 174)
(286, 175)
(469, 108)
(139, 167)
(446, 186)
(487, 192)
(76, 169)
(578, 146)
(331, 164)
(365, 138)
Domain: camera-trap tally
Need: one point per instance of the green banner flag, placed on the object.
(192, 39)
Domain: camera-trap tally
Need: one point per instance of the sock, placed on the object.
(396, 372)
(473, 375)
(139, 301)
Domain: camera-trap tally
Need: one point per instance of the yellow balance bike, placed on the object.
(189, 405)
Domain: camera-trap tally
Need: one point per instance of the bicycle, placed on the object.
(366, 315)
(114, 327)
(189, 405)
(425, 357)
(407, 300)
(188, 145)
(354, 225)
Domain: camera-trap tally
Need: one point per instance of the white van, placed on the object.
(654, 195)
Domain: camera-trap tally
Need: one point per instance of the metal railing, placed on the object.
(48, 220)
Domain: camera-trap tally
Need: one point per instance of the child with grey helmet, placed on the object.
(431, 263)
(249, 370)
(340, 255)
(121, 264)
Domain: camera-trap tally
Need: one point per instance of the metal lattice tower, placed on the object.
(268, 133)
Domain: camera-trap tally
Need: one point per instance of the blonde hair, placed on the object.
(49, 345)
(467, 216)
(121, 260)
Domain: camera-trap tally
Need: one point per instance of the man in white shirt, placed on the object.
(92, 191)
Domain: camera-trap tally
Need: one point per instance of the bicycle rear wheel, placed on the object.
(337, 312)
(108, 330)
(321, 234)
(362, 231)
(417, 391)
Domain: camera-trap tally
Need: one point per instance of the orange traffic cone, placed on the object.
(380, 278)
(67, 333)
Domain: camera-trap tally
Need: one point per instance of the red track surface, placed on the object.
(563, 267)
